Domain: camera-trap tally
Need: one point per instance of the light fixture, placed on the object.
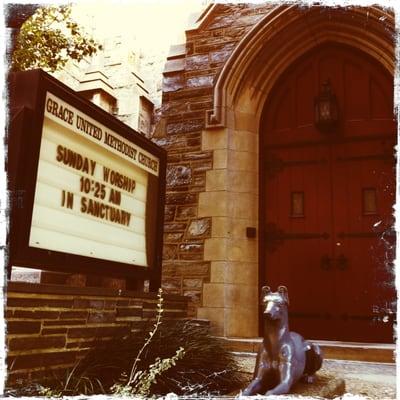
(326, 109)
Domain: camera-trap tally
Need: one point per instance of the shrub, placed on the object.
(178, 356)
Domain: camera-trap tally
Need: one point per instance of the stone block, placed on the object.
(220, 160)
(203, 105)
(193, 295)
(185, 268)
(174, 227)
(30, 361)
(242, 181)
(213, 204)
(169, 251)
(73, 315)
(243, 140)
(101, 317)
(234, 322)
(176, 50)
(214, 139)
(191, 256)
(242, 250)
(176, 65)
(193, 283)
(101, 331)
(216, 318)
(216, 249)
(221, 227)
(23, 327)
(196, 62)
(238, 273)
(191, 247)
(221, 55)
(217, 180)
(200, 81)
(80, 303)
(199, 182)
(173, 83)
(122, 303)
(239, 295)
(53, 331)
(246, 122)
(196, 156)
(169, 213)
(178, 175)
(213, 295)
(38, 302)
(243, 205)
(96, 304)
(173, 237)
(181, 198)
(25, 275)
(190, 125)
(113, 283)
(35, 314)
(32, 343)
(218, 274)
(242, 161)
(65, 322)
(202, 166)
(199, 227)
(186, 212)
(193, 144)
(110, 304)
(173, 142)
(242, 272)
(172, 285)
(192, 94)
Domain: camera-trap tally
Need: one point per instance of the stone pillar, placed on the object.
(230, 299)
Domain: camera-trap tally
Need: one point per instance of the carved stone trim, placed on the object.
(370, 29)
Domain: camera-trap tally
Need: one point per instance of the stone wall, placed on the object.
(50, 326)
(189, 76)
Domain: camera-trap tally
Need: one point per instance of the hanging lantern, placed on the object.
(326, 109)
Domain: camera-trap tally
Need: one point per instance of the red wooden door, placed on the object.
(326, 198)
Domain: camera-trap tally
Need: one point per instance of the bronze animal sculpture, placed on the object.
(284, 357)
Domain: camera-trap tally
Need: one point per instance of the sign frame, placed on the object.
(27, 91)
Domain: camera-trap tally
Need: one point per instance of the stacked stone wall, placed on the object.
(189, 77)
(49, 327)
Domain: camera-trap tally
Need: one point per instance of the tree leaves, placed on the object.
(50, 38)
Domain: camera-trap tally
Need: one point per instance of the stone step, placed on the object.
(373, 352)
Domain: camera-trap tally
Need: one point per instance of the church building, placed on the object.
(280, 130)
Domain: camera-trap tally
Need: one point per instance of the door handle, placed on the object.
(326, 262)
(342, 262)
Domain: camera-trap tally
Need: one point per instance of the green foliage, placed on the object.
(142, 381)
(48, 39)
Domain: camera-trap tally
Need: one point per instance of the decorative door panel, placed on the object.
(298, 227)
(326, 198)
(363, 196)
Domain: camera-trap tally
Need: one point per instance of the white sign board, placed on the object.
(91, 188)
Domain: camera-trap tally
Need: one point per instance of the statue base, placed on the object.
(325, 385)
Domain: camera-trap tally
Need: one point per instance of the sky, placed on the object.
(154, 24)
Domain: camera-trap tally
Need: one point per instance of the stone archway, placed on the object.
(230, 299)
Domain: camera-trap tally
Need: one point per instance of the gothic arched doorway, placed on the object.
(326, 198)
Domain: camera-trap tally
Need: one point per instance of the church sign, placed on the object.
(92, 188)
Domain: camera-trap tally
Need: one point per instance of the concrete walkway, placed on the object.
(366, 379)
